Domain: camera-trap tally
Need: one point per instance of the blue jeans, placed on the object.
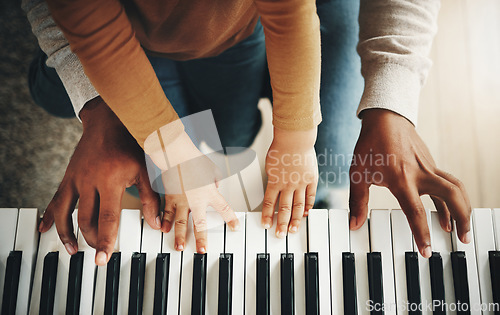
(232, 83)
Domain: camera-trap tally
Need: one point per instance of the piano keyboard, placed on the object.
(322, 269)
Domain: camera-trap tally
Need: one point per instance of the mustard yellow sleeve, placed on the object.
(294, 57)
(101, 35)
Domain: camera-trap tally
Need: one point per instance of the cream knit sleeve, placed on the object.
(52, 41)
(394, 42)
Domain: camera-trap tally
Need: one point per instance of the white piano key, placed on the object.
(151, 245)
(424, 271)
(8, 224)
(255, 235)
(339, 243)
(484, 238)
(62, 275)
(360, 246)
(26, 241)
(49, 242)
(275, 247)
(129, 241)
(88, 273)
(100, 290)
(402, 242)
(496, 225)
(381, 241)
(297, 244)
(187, 269)
(441, 242)
(235, 244)
(215, 246)
(318, 236)
(174, 272)
(472, 275)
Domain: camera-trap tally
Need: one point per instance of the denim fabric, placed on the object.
(231, 84)
(341, 90)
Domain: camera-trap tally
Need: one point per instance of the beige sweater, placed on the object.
(395, 39)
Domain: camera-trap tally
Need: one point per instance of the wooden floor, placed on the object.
(460, 104)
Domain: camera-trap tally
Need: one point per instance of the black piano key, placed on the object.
(112, 283)
(11, 283)
(460, 281)
(287, 285)
(74, 284)
(494, 258)
(49, 278)
(311, 265)
(161, 284)
(136, 293)
(225, 284)
(349, 278)
(263, 284)
(437, 283)
(199, 284)
(413, 283)
(375, 282)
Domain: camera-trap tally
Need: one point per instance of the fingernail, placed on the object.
(448, 227)
(101, 258)
(427, 251)
(180, 247)
(158, 222)
(40, 227)
(202, 250)
(467, 237)
(266, 225)
(306, 213)
(352, 222)
(293, 229)
(235, 227)
(69, 248)
(280, 234)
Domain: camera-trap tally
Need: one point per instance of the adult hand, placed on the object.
(106, 160)
(390, 153)
(292, 171)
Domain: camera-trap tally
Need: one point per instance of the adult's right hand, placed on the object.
(105, 162)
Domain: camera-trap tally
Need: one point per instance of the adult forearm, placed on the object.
(59, 55)
(395, 40)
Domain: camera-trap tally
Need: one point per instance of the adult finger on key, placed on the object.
(443, 212)
(64, 220)
(150, 201)
(358, 204)
(284, 213)
(412, 206)
(298, 209)
(456, 203)
(61, 199)
(109, 221)
(88, 216)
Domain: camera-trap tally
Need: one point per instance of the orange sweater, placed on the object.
(109, 38)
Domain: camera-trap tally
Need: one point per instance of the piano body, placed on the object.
(322, 269)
